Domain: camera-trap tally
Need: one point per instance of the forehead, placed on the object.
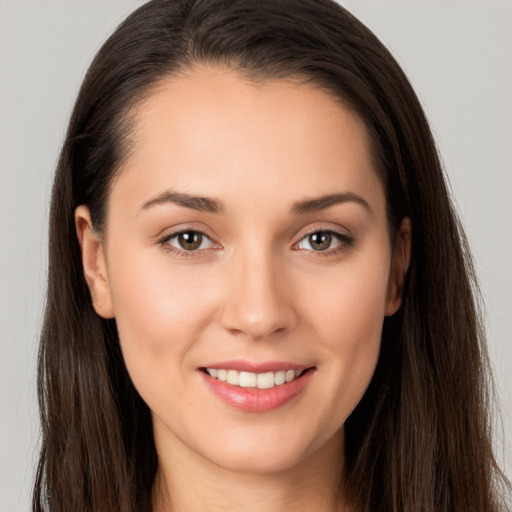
(213, 133)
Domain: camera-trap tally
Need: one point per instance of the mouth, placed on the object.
(245, 379)
(257, 391)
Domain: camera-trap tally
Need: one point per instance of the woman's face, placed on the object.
(246, 239)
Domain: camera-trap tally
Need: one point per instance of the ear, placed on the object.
(93, 261)
(399, 267)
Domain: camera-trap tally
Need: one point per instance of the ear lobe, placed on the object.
(94, 265)
(399, 267)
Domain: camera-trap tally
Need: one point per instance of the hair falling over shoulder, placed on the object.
(420, 440)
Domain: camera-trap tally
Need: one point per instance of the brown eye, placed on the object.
(190, 240)
(320, 241)
(326, 241)
(187, 243)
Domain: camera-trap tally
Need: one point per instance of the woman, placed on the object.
(248, 305)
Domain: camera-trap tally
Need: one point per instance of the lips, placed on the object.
(265, 380)
(256, 387)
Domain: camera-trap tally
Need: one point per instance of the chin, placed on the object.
(274, 454)
(258, 463)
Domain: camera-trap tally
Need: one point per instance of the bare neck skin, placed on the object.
(188, 483)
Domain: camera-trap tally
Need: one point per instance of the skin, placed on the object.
(256, 289)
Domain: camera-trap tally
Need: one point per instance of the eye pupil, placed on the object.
(190, 240)
(320, 241)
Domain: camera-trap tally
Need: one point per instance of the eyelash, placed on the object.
(182, 253)
(344, 242)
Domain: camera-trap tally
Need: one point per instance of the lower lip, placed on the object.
(255, 399)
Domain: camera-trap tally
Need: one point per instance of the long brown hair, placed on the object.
(420, 439)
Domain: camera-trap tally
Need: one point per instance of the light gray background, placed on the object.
(458, 55)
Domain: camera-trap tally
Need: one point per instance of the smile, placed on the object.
(268, 386)
(244, 379)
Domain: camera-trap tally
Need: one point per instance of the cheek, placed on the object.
(346, 316)
(350, 301)
(160, 308)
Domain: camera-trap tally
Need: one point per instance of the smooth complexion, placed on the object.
(284, 260)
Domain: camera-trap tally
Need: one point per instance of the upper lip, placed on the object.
(256, 366)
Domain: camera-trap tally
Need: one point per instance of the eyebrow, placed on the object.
(202, 204)
(320, 203)
(210, 205)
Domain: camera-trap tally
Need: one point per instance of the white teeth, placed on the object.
(265, 380)
(280, 378)
(233, 377)
(248, 380)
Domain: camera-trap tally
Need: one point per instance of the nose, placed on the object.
(259, 301)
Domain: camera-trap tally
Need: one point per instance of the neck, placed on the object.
(188, 483)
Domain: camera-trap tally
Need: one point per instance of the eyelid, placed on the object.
(185, 227)
(345, 240)
(204, 237)
(326, 227)
(169, 234)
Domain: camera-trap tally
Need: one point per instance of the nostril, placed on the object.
(269, 321)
